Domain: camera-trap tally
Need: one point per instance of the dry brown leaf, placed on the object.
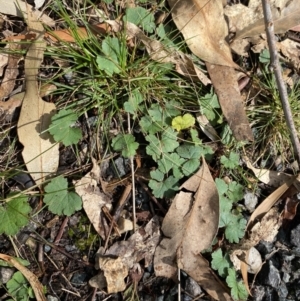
(19, 9)
(268, 203)
(7, 108)
(226, 86)
(189, 227)
(32, 279)
(204, 28)
(290, 208)
(93, 199)
(11, 71)
(158, 52)
(283, 20)
(270, 177)
(67, 35)
(40, 152)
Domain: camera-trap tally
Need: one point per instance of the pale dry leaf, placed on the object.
(283, 20)
(270, 177)
(204, 28)
(240, 47)
(41, 152)
(19, 9)
(226, 86)
(266, 229)
(159, 52)
(291, 50)
(93, 199)
(3, 61)
(32, 279)
(114, 271)
(124, 225)
(239, 16)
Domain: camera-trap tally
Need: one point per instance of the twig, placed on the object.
(279, 79)
(132, 180)
(118, 210)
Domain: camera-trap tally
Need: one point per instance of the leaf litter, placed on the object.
(192, 221)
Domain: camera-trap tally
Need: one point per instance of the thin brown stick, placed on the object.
(118, 210)
(279, 79)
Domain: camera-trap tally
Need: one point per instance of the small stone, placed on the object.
(258, 293)
(250, 201)
(286, 277)
(295, 236)
(282, 290)
(79, 278)
(193, 288)
(270, 275)
(274, 276)
(120, 165)
(5, 274)
(51, 298)
(271, 294)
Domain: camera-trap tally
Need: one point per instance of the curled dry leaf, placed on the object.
(32, 279)
(40, 152)
(93, 199)
(189, 227)
(159, 52)
(290, 208)
(270, 177)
